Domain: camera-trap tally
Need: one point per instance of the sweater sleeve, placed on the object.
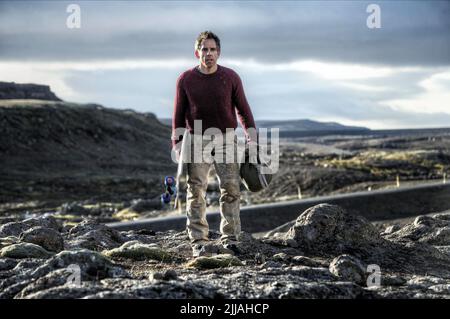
(179, 112)
(243, 110)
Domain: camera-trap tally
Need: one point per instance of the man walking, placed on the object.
(212, 94)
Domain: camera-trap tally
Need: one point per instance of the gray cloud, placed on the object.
(412, 33)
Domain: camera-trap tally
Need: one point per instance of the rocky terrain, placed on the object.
(316, 166)
(326, 253)
(66, 169)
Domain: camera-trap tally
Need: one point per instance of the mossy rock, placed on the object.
(138, 251)
(25, 250)
(218, 261)
(8, 241)
(126, 214)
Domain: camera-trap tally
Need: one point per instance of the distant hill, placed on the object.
(56, 147)
(296, 125)
(62, 136)
(12, 90)
(306, 125)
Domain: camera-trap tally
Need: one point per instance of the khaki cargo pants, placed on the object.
(223, 157)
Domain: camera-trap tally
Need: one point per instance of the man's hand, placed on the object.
(176, 153)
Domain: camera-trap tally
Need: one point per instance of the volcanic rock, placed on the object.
(322, 255)
(47, 238)
(348, 268)
(91, 235)
(24, 250)
(329, 229)
(16, 228)
(425, 229)
(217, 261)
(137, 251)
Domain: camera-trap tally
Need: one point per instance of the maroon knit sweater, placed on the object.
(213, 98)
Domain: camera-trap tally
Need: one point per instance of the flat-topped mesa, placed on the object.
(12, 90)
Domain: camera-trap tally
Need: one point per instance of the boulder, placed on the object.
(24, 250)
(348, 268)
(91, 235)
(218, 261)
(47, 238)
(138, 251)
(329, 229)
(92, 264)
(16, 228)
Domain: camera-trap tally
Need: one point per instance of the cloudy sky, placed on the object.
(315, 60)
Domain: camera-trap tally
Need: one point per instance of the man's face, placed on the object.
(208, 53)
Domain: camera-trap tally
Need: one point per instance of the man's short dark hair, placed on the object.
(206, 35)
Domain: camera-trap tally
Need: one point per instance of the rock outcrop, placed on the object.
(12, 90)
(329, 229)
(47, 238)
